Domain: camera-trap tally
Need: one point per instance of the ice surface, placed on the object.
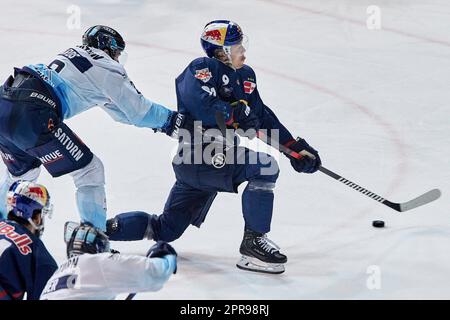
(375, 103)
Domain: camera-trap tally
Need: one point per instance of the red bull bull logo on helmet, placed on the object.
(215, 34)
(38, 194)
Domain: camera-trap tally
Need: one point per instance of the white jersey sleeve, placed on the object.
(86, 77)
(104, 276)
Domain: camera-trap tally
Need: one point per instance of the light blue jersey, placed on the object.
(82, 78)
(85, 77)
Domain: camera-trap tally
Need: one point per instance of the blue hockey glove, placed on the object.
(305, 164)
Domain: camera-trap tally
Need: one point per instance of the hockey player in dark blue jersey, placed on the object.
(221, 84)
(25, 263)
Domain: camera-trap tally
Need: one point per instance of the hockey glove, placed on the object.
(161, 249)
(242, 116)
(179, 121)
(305, 164)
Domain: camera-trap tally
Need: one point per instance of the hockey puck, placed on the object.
(378, 223)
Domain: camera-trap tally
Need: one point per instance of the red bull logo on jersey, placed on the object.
(249, 87)
(204, 74)
(21, 241)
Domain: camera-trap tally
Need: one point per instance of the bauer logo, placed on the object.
(51, 157)
(43, 98)
(204, 74)
(21, 241)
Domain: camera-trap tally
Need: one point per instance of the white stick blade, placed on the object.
(421, 200)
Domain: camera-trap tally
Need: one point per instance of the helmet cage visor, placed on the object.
(87, 239)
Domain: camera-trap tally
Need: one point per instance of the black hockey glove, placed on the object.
(179, 121)
(305, 164)
(242, 116)
(161, 249)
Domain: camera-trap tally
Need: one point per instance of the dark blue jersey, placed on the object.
(208, 85)
(25, 263)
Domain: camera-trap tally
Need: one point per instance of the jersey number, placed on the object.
(211, 91)
(57, 65)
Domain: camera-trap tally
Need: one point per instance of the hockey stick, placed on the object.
(130, 296)
(220, 120)
(421, 200)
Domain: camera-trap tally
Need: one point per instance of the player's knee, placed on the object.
(30, 175)
(130, 226)
(261, 186)
(266, 169)
(138, 225)
(170, 235)
(93, 174)
(271, 171)
(166, 230)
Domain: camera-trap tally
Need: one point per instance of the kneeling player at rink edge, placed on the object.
(25, 263)
(94, 272)
(222, 83)
(35, 102)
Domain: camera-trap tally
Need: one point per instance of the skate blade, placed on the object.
(256, 265)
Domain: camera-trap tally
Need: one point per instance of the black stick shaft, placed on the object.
(130, 296)
(328, 172)
(353, 185)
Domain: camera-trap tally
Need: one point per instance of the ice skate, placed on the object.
(260, 254)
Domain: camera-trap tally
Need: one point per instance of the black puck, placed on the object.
(378, 223)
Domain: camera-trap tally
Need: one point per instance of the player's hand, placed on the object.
(306, 164)
(178, 122)
(242, 116)
(161, 249)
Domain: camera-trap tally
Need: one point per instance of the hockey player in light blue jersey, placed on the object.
(36, 100)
